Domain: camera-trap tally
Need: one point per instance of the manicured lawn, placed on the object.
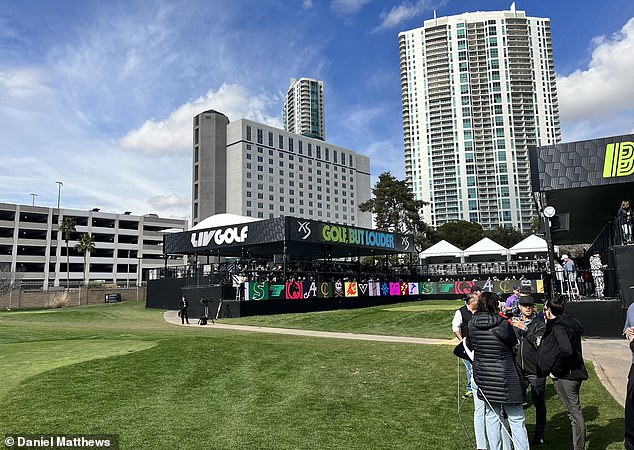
(430, 319)
(121, 369)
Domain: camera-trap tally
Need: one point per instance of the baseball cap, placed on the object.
(528, 300)
(564, 257)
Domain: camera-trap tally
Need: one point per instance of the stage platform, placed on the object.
(600, 318)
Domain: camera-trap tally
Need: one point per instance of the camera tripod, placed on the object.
(205, 315)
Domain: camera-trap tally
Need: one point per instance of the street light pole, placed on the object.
(59, 192)
(127, 285)
(33, 196)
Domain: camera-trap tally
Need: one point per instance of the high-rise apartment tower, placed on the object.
(304, 108)
(478, 90)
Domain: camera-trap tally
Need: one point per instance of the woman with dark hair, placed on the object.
(500, 384)
(624, 219)
(560, 357)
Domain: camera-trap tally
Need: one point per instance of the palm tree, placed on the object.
(85, 246)
(67, 227)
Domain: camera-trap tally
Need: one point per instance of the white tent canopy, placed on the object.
(442, 248)
(222, 220)
(486, 246)
(531, 244)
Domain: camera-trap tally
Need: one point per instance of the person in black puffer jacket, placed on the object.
(560, 357)
(500, 384)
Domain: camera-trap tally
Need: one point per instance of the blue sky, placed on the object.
(100, 95)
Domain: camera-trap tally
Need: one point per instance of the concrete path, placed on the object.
(172, 317)
(612, 358)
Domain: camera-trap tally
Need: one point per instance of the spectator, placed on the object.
(529, 329)
(597, 268)
(560, 356)
(500, 384)
(459, 326)
(624, 219)
(183, 305)
(512, 306)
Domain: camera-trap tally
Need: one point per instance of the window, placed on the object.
(300, 147)
(248, 133)
(318, 152)
(281, 141)
(270, 139)
(290, 144)
(259, 138)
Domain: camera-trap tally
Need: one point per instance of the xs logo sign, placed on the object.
(405, 241)
(303, 228)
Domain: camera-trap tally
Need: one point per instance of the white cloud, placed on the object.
(174, 134)
(605, 88)
(168, 202)
(307, 4)
(23, 82)
(401, 13)
(347, 7)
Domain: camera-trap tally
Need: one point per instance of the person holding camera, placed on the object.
(530, 328)
(183, 310)
(560, 356)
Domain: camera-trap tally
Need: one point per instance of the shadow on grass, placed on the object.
(600, 434)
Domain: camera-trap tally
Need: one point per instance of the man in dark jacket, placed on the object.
(530, 328)
(183, 305)
(560, 356)
(499, 381)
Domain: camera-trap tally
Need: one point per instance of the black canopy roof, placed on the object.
(288, 235)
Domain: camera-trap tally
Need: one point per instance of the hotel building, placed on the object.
(251, 169)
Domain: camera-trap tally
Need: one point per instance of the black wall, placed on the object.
(600, 318)
(621, 257)
(164, 293)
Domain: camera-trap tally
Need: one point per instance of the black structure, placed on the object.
(284, 240)
(585, 182)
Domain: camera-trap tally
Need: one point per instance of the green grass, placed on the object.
(121, 369)
(429, 319)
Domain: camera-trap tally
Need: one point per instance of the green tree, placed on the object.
(505, 236)
(66, 228)
(395, 209)
(85, 246)
(461, 233)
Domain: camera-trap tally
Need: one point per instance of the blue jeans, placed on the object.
(467, 364)
(479, 425)
(494, 416)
